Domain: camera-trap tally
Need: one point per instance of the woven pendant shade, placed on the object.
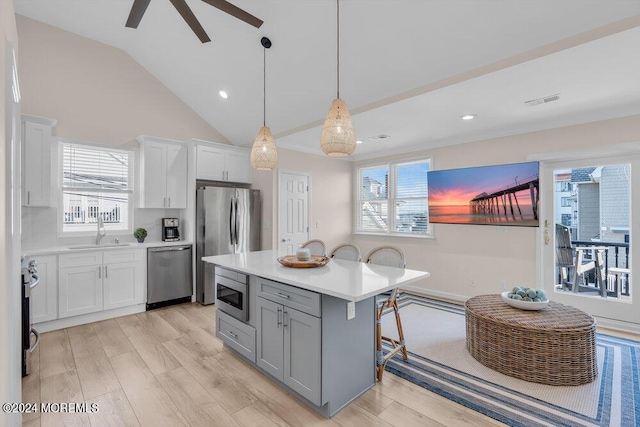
(264, 154)
(338, 137)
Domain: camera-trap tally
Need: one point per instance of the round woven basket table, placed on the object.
(554, 346)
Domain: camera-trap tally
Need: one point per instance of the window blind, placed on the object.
(86, 168)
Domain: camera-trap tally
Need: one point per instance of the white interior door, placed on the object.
(592, 199)
(293, 211)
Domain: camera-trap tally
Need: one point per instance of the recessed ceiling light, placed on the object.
(223, 94)
(359, 141)
(468, 117)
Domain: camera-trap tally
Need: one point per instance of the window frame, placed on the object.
(59, 167)
(391, 198)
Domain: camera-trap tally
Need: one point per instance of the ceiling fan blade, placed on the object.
(232, 10)
(137, 11)
(182, 7)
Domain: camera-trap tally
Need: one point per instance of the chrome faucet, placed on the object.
(101, 231)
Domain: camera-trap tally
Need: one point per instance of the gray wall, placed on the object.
(588, 211)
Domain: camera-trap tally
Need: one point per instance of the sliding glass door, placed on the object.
(588, 219)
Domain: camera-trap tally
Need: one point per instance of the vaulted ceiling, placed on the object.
(408, 68)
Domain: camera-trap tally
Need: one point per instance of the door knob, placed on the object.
(285, 240)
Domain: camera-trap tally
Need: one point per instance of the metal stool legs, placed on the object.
(398, 345)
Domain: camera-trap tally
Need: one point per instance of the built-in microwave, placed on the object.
(232, 293)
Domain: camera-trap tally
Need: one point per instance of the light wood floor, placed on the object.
(166, 368)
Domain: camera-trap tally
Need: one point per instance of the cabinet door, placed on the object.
(79, 290)
(210, 163)
(44, 297)
(176, 176)
(36, 164)
(238, 165)
(154, 176)
(302, 368)
(270, 337)
(123, 284)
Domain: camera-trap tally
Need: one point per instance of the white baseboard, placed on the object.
(618, 325)
(435, 294)
(68, 322)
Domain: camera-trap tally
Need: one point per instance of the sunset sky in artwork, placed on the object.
(456, 187)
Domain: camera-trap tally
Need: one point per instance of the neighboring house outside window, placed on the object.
(392, 198)
(96, 183)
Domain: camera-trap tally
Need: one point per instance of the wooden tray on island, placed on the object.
(293, 262)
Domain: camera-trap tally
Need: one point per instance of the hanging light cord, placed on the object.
(338, 45)
(264, 86)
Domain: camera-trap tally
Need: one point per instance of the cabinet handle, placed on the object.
(278, 294)
(28, 197)
(284, 318)
(99, 272)
(223, 175)
(106, 272)
(279, 313)
(235, 337)
(169, 202)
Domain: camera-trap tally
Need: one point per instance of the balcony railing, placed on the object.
(77, 215)
(616, 255)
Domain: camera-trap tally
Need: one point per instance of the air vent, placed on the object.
(543, 100)
(381, 136)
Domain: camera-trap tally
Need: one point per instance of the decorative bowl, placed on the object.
(524, 305)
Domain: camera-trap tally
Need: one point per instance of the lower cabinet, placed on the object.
(237, 335)
(44, 297)
(289, 347)
(94, 281)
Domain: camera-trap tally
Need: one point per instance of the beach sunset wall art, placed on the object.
(491, 195)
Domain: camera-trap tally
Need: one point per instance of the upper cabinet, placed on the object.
(220, 162)
(163, 173)
(37, 144)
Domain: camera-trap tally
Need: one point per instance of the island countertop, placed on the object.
(348, 280)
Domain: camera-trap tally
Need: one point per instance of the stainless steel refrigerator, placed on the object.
(227, 222)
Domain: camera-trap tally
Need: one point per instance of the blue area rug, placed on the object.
(439, 362)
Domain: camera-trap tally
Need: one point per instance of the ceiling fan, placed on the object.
(140, 6)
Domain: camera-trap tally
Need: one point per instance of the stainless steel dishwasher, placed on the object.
(169, 276)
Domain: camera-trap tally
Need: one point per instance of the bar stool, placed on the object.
(389, 256)
(346, 251)
(316, 247)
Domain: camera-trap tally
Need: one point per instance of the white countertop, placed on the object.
(349, 280)
(104, 247)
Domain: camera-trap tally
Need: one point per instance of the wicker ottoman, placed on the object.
(553, 346)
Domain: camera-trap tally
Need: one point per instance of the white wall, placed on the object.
(10, 355)
(330, 197)
(468, 260)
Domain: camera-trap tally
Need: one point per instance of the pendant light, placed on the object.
(264, 154)
(338, 137)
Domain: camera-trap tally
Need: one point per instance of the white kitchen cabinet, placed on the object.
(163, 173)
(37, 145)
(219, 162)
(44, 297)
(96, 281)
(124, 278)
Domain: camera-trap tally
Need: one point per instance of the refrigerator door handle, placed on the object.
(237, 221)
(232, 218)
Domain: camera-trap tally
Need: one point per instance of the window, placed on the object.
(96, 183)
(565, 202)
(392, 199)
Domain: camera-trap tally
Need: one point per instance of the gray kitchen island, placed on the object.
(310, 329)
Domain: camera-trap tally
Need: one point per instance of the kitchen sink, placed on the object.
(94, 246)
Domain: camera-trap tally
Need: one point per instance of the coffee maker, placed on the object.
(170, 231)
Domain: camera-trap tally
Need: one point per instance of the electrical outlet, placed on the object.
(351, 310)
(317, 223)
(503, 285)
